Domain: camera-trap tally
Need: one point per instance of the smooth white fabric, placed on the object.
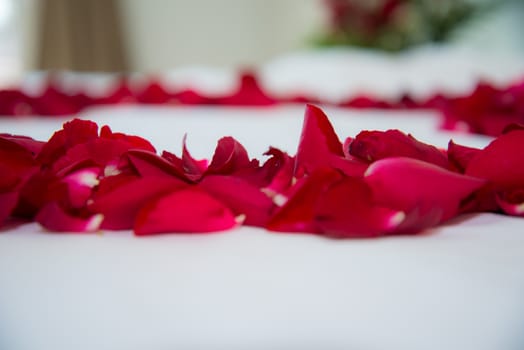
(459, 286)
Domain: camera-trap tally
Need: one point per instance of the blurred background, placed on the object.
(158, 35)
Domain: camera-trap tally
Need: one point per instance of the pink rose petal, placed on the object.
(80, 185)
(186, 211)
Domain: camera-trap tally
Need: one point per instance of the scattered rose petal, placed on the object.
(299, 212)
(346, 209)
(406, 184)
(512, 201)
(460, 156)
(230, 156)
(375, 145)
(501, 162)
(8, 201)
(55, 218)
(120, 205)
(319, 146)
(192, 169)
(241, 197)
(189, 210)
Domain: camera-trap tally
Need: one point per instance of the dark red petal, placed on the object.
(299, 212)
(54, 102)
(511, 201)
(153, 93)
(74, 132)
(248, 94)
(502, 161)
(54, 218)
(347, 210)
(512, 127)
(99, 152)
(186, 211)
(121, 94)
(194, 168)
(319, 146)
(135, 142)
(279, 171)
(241, 197)
(150, 164)
(375, 145)
(406, 183)
(8, 201)
(230, 156)
(36, 192)
(25, 142)
(317, 130)
(191, 168)
(121, 205)
(460, 156)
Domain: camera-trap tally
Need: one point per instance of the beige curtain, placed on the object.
(81, 35)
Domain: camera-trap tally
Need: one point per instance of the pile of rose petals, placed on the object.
(486, 110)
(378, 183)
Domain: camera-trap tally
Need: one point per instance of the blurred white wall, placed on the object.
(163, 34)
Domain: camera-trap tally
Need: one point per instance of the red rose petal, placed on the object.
(406, 183)
(512, 201)
(375, 145)
(319, 146)
(134, 142)
(153, 93)
(299, 212)
(55, 218)
(80, 185)
(230, 156)
(8, 201)
(242, 197)
(248, 94)
(190, 210)
(346, 210)
(279, 171)
(150, 164)
(74, 132)
(121, 205)
(29, 144)
(192, 169)
(501, 162)
(460, 156)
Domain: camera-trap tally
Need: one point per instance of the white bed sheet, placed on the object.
(458, 286)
